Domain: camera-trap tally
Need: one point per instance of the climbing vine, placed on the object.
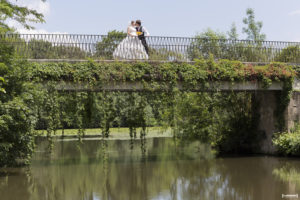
(169, 106)
(182, 96)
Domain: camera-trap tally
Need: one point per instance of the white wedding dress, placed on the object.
(131, 48)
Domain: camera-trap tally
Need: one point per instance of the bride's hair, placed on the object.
(132, 23)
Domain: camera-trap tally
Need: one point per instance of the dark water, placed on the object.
(158, 169)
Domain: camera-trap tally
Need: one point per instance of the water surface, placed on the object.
(156, 169)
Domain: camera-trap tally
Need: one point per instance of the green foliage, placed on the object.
(17, 113)
(288, 143)
(202, 70)
(283, 99)
(232, 33)
(207, 43)
(40, 49)
(16, 141)
(238, 130)
(214, 43)
(106, 47)
(224, 120)
(227, 121)
(253, 28)
(164, 54)
(289, 55)
(20, 14)
(1, 82)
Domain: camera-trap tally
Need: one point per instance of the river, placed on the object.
(155, 169)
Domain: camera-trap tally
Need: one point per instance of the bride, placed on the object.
(131, 48)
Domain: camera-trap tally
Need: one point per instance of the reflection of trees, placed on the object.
(14, 183)
(289, 173)
(125, 178)
(170, 171)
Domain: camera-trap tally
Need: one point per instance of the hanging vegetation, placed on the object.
(225, 120)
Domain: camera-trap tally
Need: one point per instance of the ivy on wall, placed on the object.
(225, 120)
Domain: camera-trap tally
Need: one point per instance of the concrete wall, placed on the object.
(292, 113)
(267, 123)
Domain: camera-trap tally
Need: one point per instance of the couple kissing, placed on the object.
(134, 46)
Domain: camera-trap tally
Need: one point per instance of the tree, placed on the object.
(206, 43)
(212, 42)
(40, 49)
(106, 47)
(232, 33)
(16, 112)
(20, 14)
(1, 81)
(253, 28)
(17, 104)
(164, 54)
(289, 54)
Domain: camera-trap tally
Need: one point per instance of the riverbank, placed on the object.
(115, 133)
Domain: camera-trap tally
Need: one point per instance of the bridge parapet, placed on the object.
(81, 46)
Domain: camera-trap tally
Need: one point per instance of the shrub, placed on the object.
(288, 143)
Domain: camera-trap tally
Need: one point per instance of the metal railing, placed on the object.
(120, 47)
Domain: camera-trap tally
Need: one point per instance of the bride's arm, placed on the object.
(128, 32)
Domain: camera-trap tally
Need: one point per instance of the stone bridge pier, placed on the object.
(268, 122)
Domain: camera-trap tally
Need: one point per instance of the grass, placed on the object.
(115, 133)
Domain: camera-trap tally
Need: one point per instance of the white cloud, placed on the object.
(295, 12)
(22, 30)
(39, 31)
(38, 5)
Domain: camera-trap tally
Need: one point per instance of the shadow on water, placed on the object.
(150, 169)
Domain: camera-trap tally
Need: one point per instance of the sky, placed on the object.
(186, 18)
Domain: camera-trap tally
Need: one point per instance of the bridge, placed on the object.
(76, 48)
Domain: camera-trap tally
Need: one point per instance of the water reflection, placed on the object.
(94, 170)
(289, 173)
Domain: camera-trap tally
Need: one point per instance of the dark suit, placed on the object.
(142, 38)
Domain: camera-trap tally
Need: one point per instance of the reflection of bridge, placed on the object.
(71, 46)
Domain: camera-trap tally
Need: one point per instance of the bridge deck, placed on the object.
(133, 61)
(139, 86)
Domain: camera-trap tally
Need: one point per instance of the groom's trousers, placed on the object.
(143, 40)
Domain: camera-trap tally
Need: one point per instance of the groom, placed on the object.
(142, 32)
